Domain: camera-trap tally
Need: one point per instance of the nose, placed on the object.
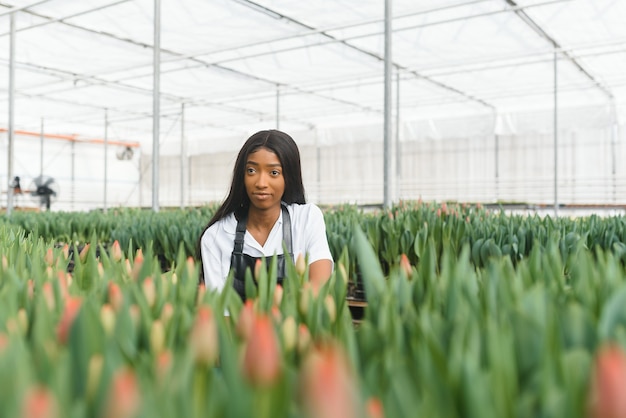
(261, 181)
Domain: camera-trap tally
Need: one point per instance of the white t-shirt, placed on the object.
(308, 236)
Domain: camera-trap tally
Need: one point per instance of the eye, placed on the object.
(275, 173)
(250, 170)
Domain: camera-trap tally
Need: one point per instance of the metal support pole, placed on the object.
(387, 122)
(397, 136)
(106, 156)
(556, 151)
(183, 156)
(11, 132)
(156, 105)
(497, 165)
(277, 106)
(614, 136)
(41, 134)
(72, 197)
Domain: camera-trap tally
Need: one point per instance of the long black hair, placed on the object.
(237, 200)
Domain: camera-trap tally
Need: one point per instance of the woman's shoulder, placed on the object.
(305, 210)
(226, 225)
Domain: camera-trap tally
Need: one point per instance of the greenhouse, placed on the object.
(313, 209)
(485, 101)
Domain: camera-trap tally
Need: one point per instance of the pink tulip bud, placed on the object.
(137, 264)
(262, 357)
(4, 342)
(39, 402)
(115, 296)
(149, 291)
(49, 257)
(48, 295)
(72, 307)
(374, 408)
(30, 288)
(163, 365)
(49, 272)
(200, 294)
(116, 251)
(257, 268)
(83, 253)
(304, 338)
(328, 385)
(278, 295)
(167, 312)
(63, 283)
(124, 398)
(608, 384)
(128, 267)
(246, 319)
(66, 251)
(204, 341)
(405, 265)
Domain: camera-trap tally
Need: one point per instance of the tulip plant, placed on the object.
(449, 330)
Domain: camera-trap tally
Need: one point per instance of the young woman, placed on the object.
(264, 209)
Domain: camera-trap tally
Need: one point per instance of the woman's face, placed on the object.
(264, 179)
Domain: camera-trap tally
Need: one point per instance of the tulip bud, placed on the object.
(204, 340)
(329, 304)
(115, 296)
(100, 270)
(246, 319)
(300, 265)
(262, 357)
(278, 295)
(289, 330)
(94, 374)
(137, 264)
(107, 317)
(49, 257)
(128, 267)
(83, 252)
(66, 251)
(276, 314)
(608, 384)
(4, 342)
(5, 262)
(157, 336)
(343, 274)
(48, 295)
(174, 278)
(135, 315)
(163, 365)
(328, 385)
(116, 251)
(167, 312)
(22, 320)
(304, 338)
(200, 294)
(49, 273)
(124, 398)
(405, 265)
(30, 288)
(72, 307)
(40, 402)
(374, 408)
(63, 283)
(257, 268)
(149, 291)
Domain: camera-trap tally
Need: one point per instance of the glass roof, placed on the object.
(242, 65)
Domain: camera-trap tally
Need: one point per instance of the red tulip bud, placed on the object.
(49, 257)
(405, 265)
(116, 297)
(328, 386)
(149, 291)
(257, 268)
(246, 319)
(72, 306)
(40, 402)
(608, 384)
(278, 295)
(137, 264)
(83, 253)
(48, 295)
(262, 357)
(124, 399)
(374, 408)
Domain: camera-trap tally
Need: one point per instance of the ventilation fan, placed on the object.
(44, 190)
(124, 153)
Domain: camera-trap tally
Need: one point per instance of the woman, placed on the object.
(264, 209)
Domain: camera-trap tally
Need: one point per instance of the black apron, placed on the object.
(239, 261)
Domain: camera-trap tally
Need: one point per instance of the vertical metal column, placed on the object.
(277, 106)
(556, 151)
(11, 132)
(41, 134)
(156, 105)
(387, 122)
(72, 197)
(183, 156)
(614, 136)
(106, 156)
(397, 136)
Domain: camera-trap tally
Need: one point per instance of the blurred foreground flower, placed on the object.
(204, 337)
(327, 384)
(124, 399)
(262, 357)
(72, 306)
(39, 402)
(608, 384)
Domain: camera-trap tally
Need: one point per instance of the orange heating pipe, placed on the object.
(74, 138)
